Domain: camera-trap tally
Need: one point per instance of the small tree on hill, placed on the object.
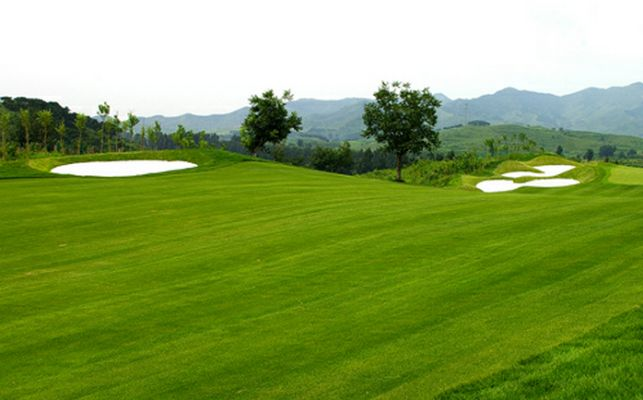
(25, 121)
(5, 129)
(589, 155)
(268, 121)
(61, 129)
(559, 150)
(103, 113)
(80, 123)
(154, 134)
(403, 119)
(45, 119)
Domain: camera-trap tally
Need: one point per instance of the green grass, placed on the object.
(573, 142)
(626, 175)
(606, 363)
(258, 280)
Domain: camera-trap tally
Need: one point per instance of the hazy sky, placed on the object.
(172, 57)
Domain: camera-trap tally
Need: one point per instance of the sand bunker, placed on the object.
(121, 168)
(547, 171)
(505, 185)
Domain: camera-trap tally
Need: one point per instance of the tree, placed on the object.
(403, 119)
(338, 160)
(61, 129)
(606, 151)
(559, 150)
(589, 155)
(103, 113)
(631, 153)
(25, 121)
(182, 138)
(491, 146)
(268, 121)
(203, 143)
(154, 134)
(132, 121)
(80, 123)
(5, 129)
(143, 133)
(45, 119)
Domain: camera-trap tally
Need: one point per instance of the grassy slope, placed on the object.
(472, 137)
(604, 364)
(257, 280)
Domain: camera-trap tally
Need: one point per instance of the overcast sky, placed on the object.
(204, 57)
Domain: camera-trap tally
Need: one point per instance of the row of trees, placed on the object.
(401, 119)
(30, 126)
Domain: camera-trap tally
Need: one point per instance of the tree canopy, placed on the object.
(403, 119)
(268, 121)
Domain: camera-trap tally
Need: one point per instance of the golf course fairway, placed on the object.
(255, 280)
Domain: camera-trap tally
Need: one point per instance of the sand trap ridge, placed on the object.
(121, 168)
(505, 185)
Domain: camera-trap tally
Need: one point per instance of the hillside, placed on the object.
(613, 110)
(255, 280)
(468, 138)
(617, 110)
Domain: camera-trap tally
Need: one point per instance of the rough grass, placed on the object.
(606, 363)
(258, 280)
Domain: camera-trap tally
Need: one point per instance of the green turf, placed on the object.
(604, 364)
(258, 280)
(626, 175)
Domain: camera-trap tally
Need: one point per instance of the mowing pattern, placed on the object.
(604, 364)
(256, 280)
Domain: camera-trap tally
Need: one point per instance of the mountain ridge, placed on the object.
(617, 109)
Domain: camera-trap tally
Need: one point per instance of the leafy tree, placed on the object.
(132, 121)
(25, 121)
(338, 160)
(80, 123)
(45, 119)
(606, 151)
(5, 130)
(143, 134)
(103, 113)
(182, 138)
(631, 153)
(559, 150)
(154, 134)
(203, 143)
(491, 146)
(268, 121)
(589, 155)
(61, 129)
(403, 119)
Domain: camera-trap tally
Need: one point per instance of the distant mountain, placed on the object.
(613, 110)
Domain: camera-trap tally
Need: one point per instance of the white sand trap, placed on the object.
(505, 185)
(547, 171)
(121, 168)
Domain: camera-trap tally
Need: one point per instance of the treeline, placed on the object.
(32, 126)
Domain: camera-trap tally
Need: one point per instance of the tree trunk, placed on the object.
(80, 137)
(44, 142)
(399, 167)
(102, 139)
